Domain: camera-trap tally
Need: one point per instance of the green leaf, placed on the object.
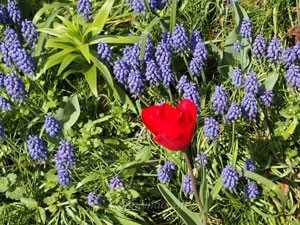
(85, 180)
(16, 193)
(12, 178)
(291, 129)
(91, 78)
(29, 202)
(114, 39)
(120, 95)
(56, 58)
(270, 82)
(66, 62)
(143, 154)
(268, 183)
(102, 15)
(185, 214)
(173, 16)
(4, 184)
(68, 115)
(85, 50)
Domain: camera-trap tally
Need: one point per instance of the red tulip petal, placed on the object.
(189, 108)
(149, 117)
(175, 145)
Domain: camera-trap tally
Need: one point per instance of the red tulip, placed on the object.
(173, 127)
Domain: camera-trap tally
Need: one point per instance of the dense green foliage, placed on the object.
(102, 119)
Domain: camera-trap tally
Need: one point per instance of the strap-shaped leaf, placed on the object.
(56, 58)
(91, 78)
(66, 62)
(102, 16)
(114, 39)
(185, 214)
(85, 50)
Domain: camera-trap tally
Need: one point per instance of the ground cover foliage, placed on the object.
(76, 75)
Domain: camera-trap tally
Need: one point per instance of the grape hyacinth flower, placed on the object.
(230, 178)
(11, 35)
(2, 77)
(196, 38)
(274, 50)
(163, 55)
(85, 9)
(29, 32)
(167, 75)
(220, 100)
(104, 52)
(2, 131)
(251, 190)
(267, 98)
(149, 50)
(237, 46)
(181, 83)
(167, 40)
(115, 183)
(135, 83)
(153, 73)
(187, 187)
(196, 67)
(167, 172)
(180, 39)
(4, 105)
(190, 92)
(65, 159)
(249, 107)
(138, 6)
(237, 77)
(297, 50)
(14, 12)
(15, 87)
(121, 71)
(132, 55)
(289, 56)
(52, 126)
(204, 158)
(201, 52)
(251, 84)
(259, 46)
(211, 129)
(94, 199)
(249, 165)
(37, 149)
(292, 76)
(246, 29)
(3, 15)
(233, 113)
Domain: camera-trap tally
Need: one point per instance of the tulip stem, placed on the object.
(189, 165)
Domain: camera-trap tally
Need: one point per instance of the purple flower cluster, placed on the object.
(37, 149)
(237, 46)
(220, 100)
(204, 158)
(3, 15)
(198, 61)
(85, 9)
(187, 187)
(233, 113)
(249, 165)
(4, 104)
(237, 77)
(2, 131)
(65, 159)
(52, 126)
(274, 50)
(94, 199)
(292, 76)
(211, 128)
(121, 71)
(14, 54)
(167, 172)
(249, 107)
(230, 178)
(15, 87)
(259, 46)
(267, 98)
(289, 56)
(153, 73)
(139, 7)
(196, 38)
(246, 29)
(14, 12)
(251, 84)
(104, 52)
(180, 39)
(115, 183)
(251, 190)
(149, 50)
(29, 32)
